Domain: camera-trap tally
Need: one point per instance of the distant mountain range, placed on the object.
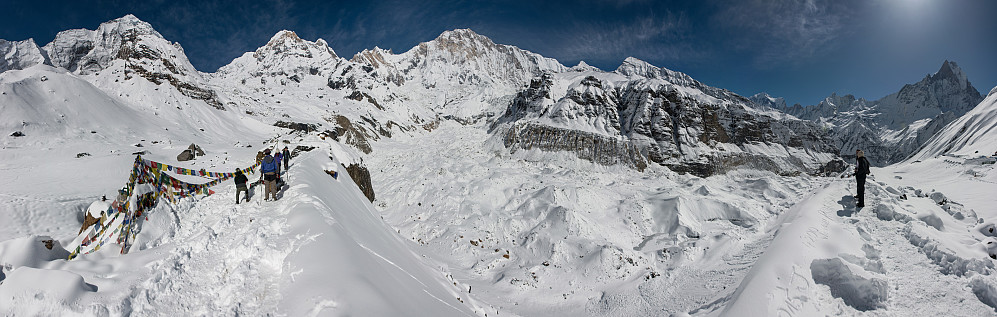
(636, 115)
(894, 127)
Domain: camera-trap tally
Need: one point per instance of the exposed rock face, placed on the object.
(347, 133)
(892, 128)
(685, 125)
(586, 145)
(361, 176)
(20, 55)
(297, 126)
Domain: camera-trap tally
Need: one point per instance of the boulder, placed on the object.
(196, 149)
(186, 155)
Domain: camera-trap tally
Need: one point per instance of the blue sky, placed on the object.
(799, 49)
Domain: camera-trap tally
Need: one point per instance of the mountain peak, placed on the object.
(950, 70)
(583, 66)
(634, 66)
(284, 36)
(765, 99)
(458, 33)
(20, 55)
(129, 18)
(288, 43)
(463, 39)
(127, 23)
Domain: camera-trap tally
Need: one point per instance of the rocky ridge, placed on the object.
(672, 119)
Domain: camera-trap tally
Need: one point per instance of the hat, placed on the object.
(267, 151)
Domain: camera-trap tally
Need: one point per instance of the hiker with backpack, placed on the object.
(240, 185)
(269, 170)
(861, 170)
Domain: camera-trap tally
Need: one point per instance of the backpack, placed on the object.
(269, 164)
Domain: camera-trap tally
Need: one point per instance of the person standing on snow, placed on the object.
(279, 157)
(861, 170)
(286, 156)
(269, 170)
(240, 185)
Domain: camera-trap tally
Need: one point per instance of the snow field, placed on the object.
(546, 233)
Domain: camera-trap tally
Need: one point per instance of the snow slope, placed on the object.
(973, 134)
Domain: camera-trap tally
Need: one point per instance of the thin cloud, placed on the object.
(651, 38)
(777, 31)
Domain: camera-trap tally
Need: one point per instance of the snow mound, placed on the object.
(887, 212)
(932, 220)
(34, 290)
(862, 293)
(949, 257)
(29, 251)
(987, 229)
(985, 288)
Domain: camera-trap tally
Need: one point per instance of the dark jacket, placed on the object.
(269, 165)
(863, 169)
(241, 179)
(287, 155)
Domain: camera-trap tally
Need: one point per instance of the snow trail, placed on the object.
(882, 270)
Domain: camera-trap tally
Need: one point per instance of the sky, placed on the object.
(802, 50)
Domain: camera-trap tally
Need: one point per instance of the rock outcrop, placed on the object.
(361, 176)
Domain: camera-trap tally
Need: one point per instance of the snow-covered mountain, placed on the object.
(460, 73)
(129, 47)
(764, 99)
(20, 54)
(894, 127)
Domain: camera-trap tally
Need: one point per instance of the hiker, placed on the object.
(259, 157)
(279, 157)
(286, 156)
(861, 170)
(269, 170)
(240, 185)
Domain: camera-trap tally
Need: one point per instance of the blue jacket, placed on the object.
(269, 164)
